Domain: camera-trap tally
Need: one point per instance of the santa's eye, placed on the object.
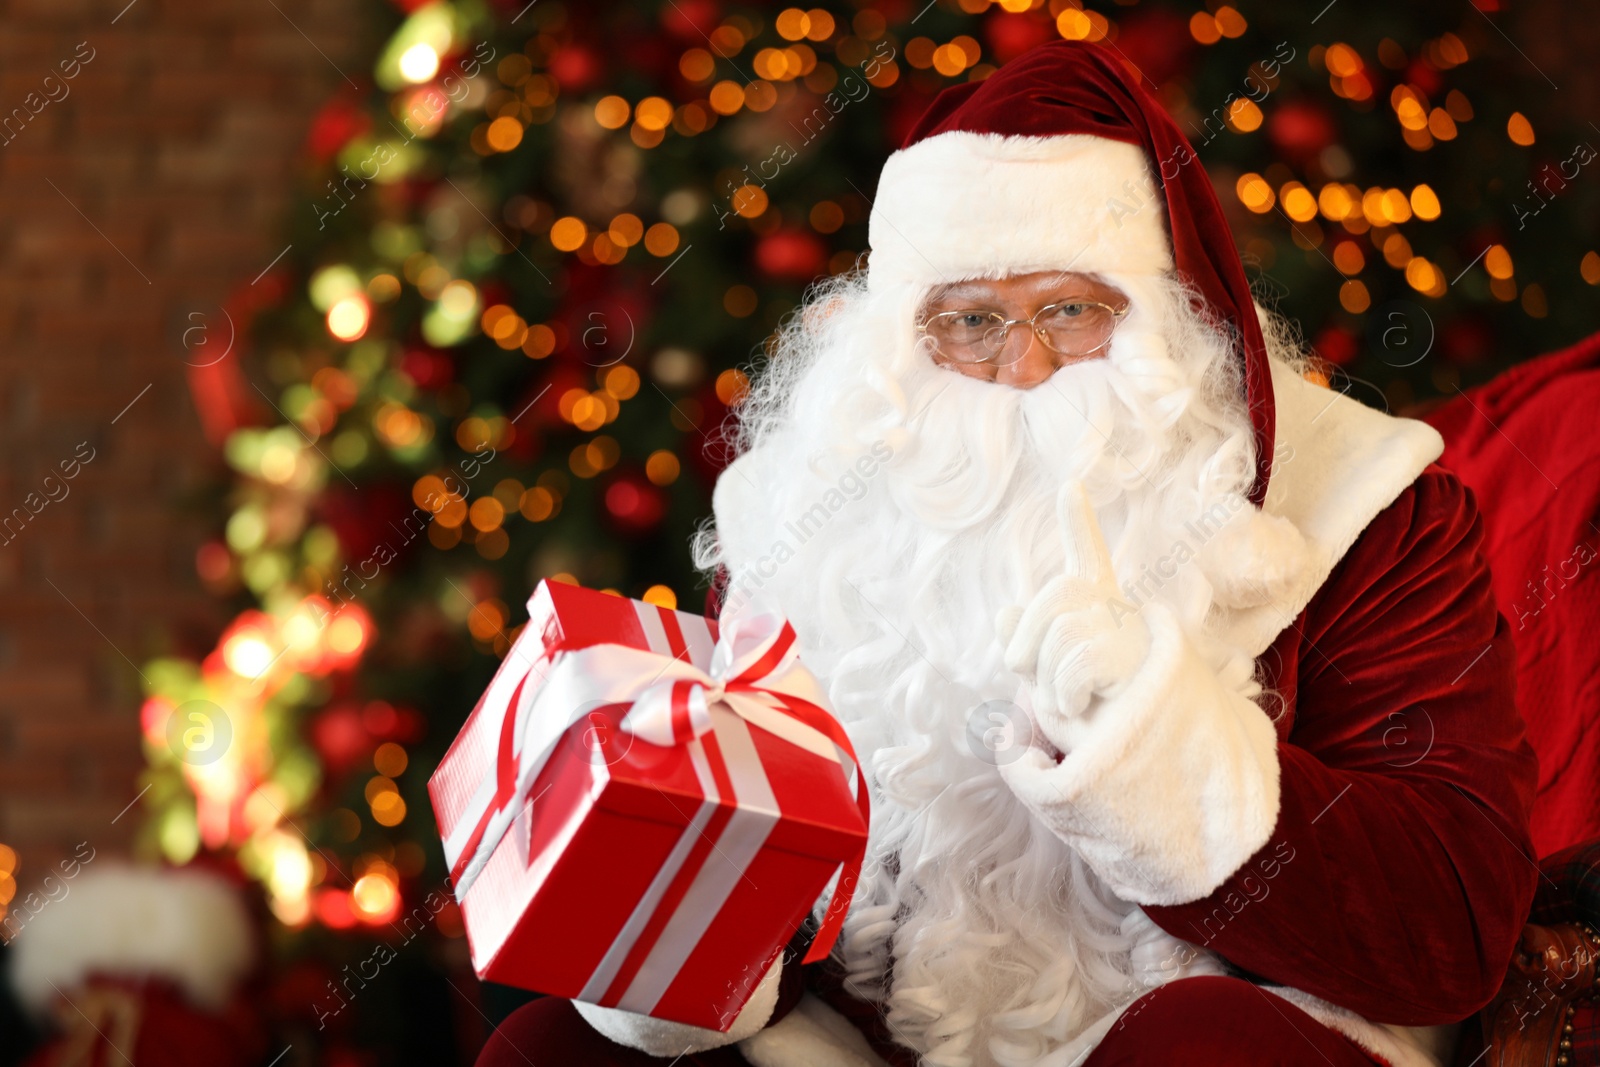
(963, 327)
(1071, 311)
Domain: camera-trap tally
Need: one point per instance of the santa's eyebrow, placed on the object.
(1090, 280)
(962, 291)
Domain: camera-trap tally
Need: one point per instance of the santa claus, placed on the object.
(1186, 709)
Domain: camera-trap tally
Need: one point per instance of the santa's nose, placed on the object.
(1035, 364)
(1023, 361)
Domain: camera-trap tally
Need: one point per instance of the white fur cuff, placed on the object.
(812, 1035)
(1173, 783)
(659, 1037)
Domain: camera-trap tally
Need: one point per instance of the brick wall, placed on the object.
(149, 183)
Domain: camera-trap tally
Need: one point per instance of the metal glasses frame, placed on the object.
(1004, 325)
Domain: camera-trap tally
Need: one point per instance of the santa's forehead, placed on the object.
(1035, 279)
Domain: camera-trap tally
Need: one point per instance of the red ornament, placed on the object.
(634, 503)
(222, 396)
(428, 367)
(577, 67)
(791, 255)
(1010, 35)
(1157, 41)
(1300, 129)
(341, 739)
(372, 528)
(536, 409)
(603, 314)
(332, 908)
(379, 718)
(708, 452)
(691, 20)
(493, 292)
(1337, 345)
(339, 122)
(214, 563)
(1466, 341)
(385, 722)
(1425, 77)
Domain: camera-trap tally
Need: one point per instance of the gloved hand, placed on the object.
(1166, 776)
(660, 1037)
(1078, 636)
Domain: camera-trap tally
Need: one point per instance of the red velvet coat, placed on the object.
(1406, 782)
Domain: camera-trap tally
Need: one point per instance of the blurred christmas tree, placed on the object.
(533, 255)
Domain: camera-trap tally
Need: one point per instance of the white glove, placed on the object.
(660, 1037)
(1078, 637)
(1166, 775)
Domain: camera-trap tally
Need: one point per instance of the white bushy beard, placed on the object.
(938, 496)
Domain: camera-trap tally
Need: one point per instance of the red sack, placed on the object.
(1525, 443)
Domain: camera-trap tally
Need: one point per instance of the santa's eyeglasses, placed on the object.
(1074, 327)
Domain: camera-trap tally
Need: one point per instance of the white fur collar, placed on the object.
(1337, 465)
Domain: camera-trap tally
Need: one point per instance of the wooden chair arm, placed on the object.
(1529, 1023)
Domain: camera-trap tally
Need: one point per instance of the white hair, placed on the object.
(905, 505)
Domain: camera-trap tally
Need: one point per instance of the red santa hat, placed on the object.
(1061, 160)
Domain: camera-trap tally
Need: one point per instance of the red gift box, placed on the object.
(639, 815)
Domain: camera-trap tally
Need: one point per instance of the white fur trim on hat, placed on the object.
(965, 205)
(185, 925)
